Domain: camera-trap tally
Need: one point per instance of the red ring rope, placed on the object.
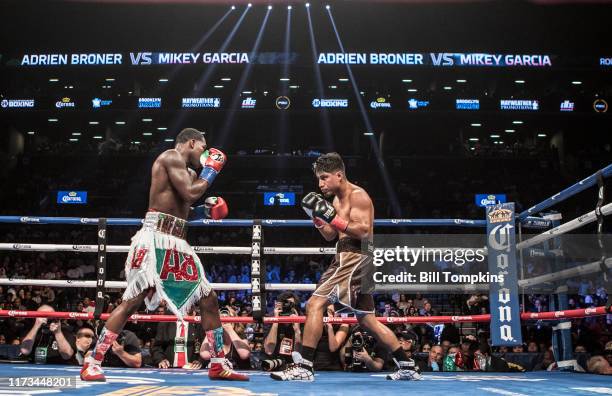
(554, 315)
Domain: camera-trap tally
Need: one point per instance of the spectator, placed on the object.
(125, 351)
(84, 342)
(327, 355)
(599, 365)
(532, 347)
(362, 352)
(434, 360)
(235, 346)
(50, 341)
(282, 339)
(177, 344)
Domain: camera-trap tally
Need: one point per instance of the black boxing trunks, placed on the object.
(344, 281)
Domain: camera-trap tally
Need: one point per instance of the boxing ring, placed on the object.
(177, 381)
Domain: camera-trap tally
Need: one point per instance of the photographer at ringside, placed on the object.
(327, 355)
(361, 352)
(48, 341)
(282, 339)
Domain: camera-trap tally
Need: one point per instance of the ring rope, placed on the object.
(553, 315)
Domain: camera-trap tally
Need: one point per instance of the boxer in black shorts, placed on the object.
(351, 219)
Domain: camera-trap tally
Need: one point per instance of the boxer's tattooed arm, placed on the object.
(190, 190)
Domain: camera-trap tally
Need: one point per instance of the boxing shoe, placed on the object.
(222, 369)
(92, 371)
(300, 370)
(406, 371)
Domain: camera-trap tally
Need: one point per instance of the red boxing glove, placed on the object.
(212, 163)
(215, 208)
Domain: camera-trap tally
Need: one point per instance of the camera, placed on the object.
(287, 308)
(224, 311)
(272, 364)
(361, 340)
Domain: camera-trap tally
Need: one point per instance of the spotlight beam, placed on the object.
(325, 124)
(211, 68)
(283, 121)
(395, 206)
(204, 79)
(231, 113)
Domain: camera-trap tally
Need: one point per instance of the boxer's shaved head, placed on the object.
(330, 163)
(191, 143)
(188, 134)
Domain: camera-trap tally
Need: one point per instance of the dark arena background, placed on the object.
(483, 122)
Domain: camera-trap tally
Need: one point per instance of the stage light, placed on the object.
(93, 122)
(74, 140)
(250, 5)
(31, 132)
(509, 130)
(97, 137)
(119, 122)
(495, 136)
(110, 79)
(541, 135)
(289, 7)
(520, 81)
(163, 80)
(368, 134)
(269, 7)
(517, 122)
(218, 86)
(161, 128)
(413, 90)
(233, 7)
(476, 125)
(76, 133)
(284, 79)
(147, 134)
(407, 81)
(147, 119)
(448, 88)
(53, 79)
(473, 139)
(226, 79)
(168, 140)
(343, 79)
(327, 7)
(576, 82)
(461, 81)
(307, 5)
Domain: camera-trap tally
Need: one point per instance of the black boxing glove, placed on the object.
(325, 211)
(308, 204)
